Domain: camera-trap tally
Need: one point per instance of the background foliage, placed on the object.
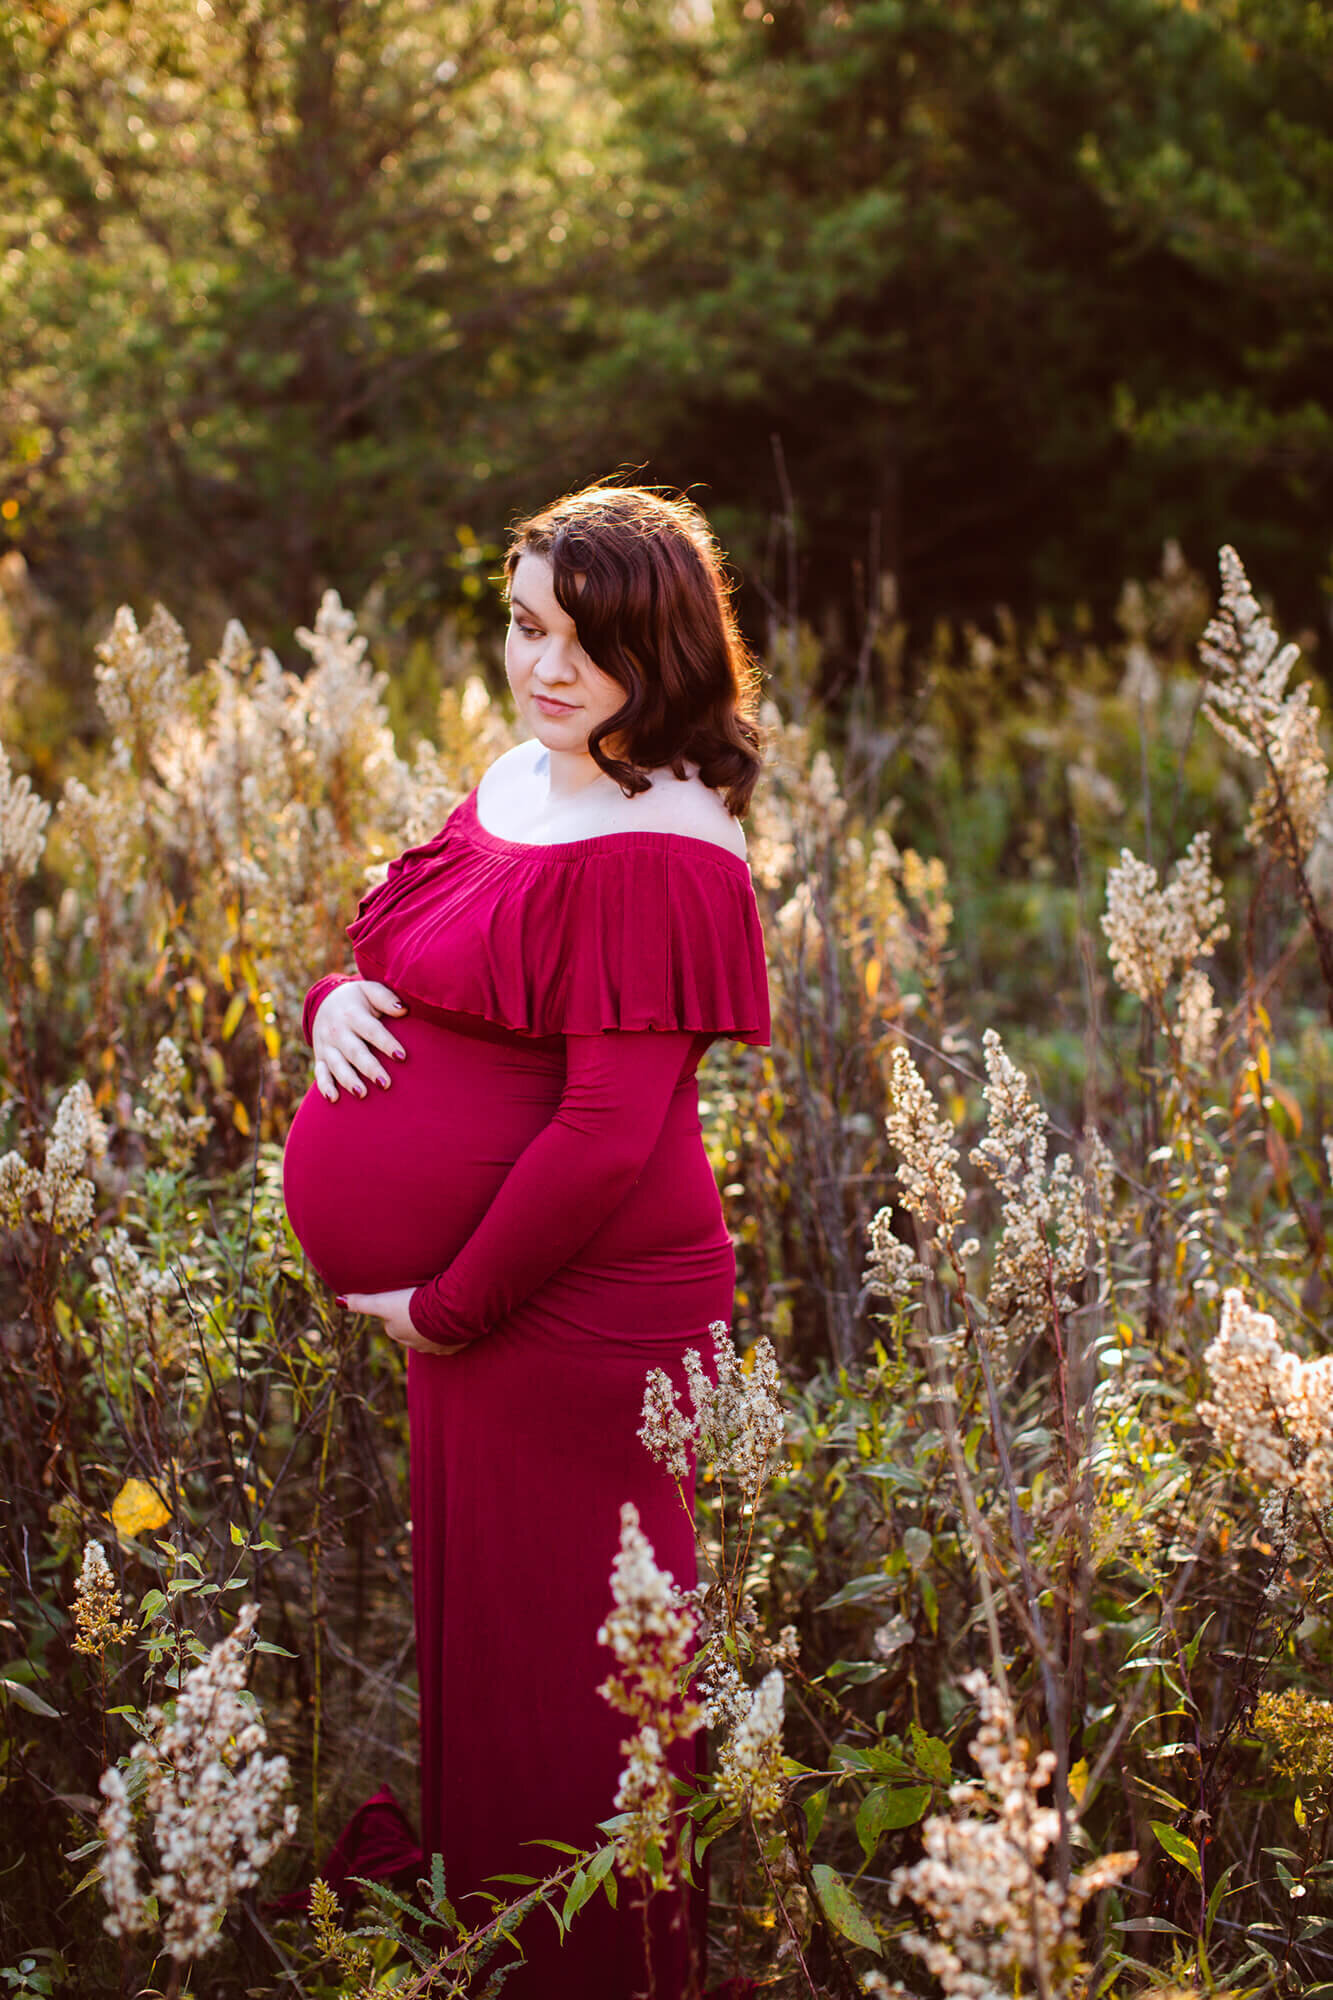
(942, 307)
(1017, 1479)
(295, 293)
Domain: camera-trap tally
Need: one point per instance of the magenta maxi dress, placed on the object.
(537, 1172)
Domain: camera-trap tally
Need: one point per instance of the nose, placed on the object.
(556, 667)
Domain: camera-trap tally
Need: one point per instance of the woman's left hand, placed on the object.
(391, 1307)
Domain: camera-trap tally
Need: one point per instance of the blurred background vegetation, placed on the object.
(953, 302)
(953, 316)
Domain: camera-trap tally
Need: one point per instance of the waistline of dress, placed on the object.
(480, 1028)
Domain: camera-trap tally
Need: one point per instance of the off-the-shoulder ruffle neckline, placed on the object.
(574, 850)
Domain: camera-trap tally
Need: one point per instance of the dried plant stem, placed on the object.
(1319, 930)
(20, 1063)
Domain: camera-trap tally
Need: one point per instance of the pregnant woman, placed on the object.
(500, 1158)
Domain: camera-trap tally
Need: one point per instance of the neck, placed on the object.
(568, 772)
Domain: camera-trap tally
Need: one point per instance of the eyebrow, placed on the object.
(521, 606)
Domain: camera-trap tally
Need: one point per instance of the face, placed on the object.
(560, 694)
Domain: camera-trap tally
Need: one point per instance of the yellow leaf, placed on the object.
(1299, 1810)
(224, 969)
(240, 1118)
(137, 1508)
(1265, 1061)
(872, 977)
(231, 1020)
(1078, 1780)
(272, 1040)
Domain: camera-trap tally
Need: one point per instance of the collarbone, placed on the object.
(671, 805)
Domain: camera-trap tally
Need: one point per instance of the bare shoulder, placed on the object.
(515, 763)
(516, 802)
(511, 774)
(687, 806)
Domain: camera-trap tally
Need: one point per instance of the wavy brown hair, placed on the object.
(654, 612)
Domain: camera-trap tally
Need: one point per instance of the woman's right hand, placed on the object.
(346, 1033)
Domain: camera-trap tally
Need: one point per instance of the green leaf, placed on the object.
(932, 1755)
(887, 1808)
(439, 1901)
(601, 1862)
(380, 1894)
(869, 1589)
(416, 1951)
(151, 1604)
(27, 1698)
(1155, 1792)
(1215, 1900)
(1178, 1847)
(1191, 1649)
(842, 1909)
(815, 1808)
(577, 1894)
(237, 1535)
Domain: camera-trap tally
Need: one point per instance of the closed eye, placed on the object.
(528, 631)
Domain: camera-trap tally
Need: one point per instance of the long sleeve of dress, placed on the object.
(315, 999)
(563, 1185)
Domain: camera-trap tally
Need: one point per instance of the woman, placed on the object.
(511, 1177)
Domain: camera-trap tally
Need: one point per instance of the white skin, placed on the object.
(542, 657)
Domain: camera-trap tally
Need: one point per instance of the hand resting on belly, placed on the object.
(347, 1033)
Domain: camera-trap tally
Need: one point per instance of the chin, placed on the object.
(562, 730)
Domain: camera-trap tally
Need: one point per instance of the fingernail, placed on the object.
(360, 1090)
(342, 1302)
(383, 1082)
(399, 1055)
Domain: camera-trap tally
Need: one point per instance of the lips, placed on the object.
(554, 707)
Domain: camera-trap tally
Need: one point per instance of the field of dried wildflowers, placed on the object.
(1013, 1641)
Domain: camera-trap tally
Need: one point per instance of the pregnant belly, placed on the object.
(383, 1190)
